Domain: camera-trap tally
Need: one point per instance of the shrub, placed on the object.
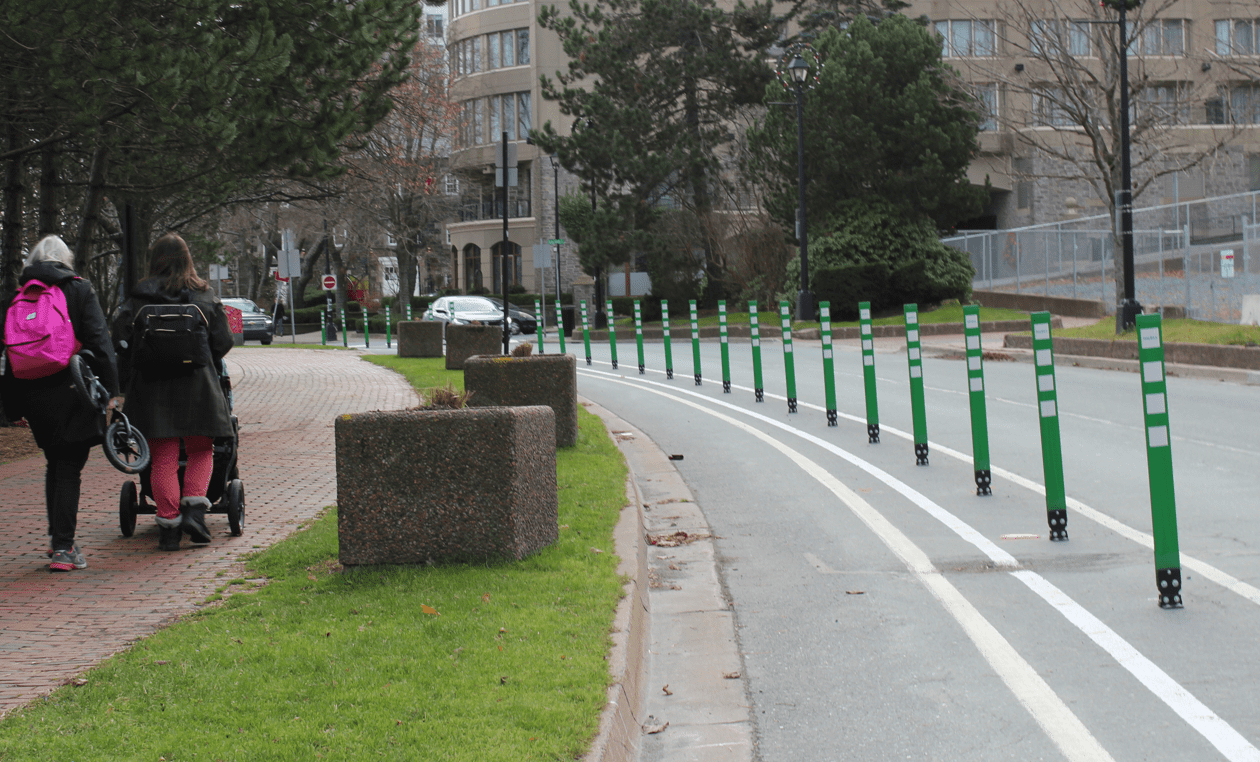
(846, 285)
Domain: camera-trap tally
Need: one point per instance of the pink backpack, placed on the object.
(37, 331)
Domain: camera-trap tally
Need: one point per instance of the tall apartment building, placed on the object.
(1197, 65)
(497, 52)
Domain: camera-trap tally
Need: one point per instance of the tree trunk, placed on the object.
(12, 233)
(48, 196)
(91, 206)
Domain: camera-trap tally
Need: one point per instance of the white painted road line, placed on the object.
(1063, 727)
(1219, 733)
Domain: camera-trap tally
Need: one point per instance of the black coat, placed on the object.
(56, 412)
(180, 406)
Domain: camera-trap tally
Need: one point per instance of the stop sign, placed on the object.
(330, 282)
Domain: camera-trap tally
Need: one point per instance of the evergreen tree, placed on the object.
(654, 86)
(887, 120)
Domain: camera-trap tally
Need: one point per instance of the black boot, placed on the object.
(169, 532)
(194, 512)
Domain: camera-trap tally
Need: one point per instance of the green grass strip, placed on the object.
(1182, 330)
(421, 372)
(467, 662)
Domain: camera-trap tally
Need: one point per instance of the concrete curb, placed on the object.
(621, 722)
(1182, 353)
(772, 330)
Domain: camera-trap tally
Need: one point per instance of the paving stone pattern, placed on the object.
(54, 626)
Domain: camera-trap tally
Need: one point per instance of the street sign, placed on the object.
(556, 241)
(1227, 263)
(542, 255)
(329, 282)
(289, 258)
(219, 272)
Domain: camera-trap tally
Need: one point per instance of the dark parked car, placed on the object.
(257, 323)
(523, 321)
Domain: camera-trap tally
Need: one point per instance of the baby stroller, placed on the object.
(226, 493)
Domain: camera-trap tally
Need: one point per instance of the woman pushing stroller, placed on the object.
(171, 334)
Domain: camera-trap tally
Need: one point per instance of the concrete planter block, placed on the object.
(420, 338)
(464, 341)
(415, 486)
(549, 380)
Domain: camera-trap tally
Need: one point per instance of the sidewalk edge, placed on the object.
(621, 721)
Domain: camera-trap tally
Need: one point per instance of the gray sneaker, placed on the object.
(65, 560)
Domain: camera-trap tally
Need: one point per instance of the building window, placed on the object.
(966, 38)
(1022, 168)
(451, 185)
(1243, 105)
(987, 94)
(522, 115)
(1237, 37)
(1164, 103)
(1164, 37)
(1253, 167)
(1049, 109)
(514, 265)
(522, 47)
(1052, 38)
(433, 26)
(510, 48)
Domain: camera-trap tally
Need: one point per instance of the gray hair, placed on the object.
(50, 249)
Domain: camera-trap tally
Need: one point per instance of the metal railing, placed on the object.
(1197, 255)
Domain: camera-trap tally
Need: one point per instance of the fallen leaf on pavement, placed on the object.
(654, 729)
(731, 675)
(666, 689)
(855, 592)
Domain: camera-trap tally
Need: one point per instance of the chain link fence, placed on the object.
(1201, 256)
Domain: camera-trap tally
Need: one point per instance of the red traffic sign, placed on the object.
(329, 282)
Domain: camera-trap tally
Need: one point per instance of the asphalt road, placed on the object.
(885, 611)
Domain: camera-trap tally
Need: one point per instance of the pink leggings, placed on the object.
(164, 473)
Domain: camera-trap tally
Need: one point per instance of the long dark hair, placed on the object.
(169, 257)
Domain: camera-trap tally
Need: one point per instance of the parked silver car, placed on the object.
(465, 310)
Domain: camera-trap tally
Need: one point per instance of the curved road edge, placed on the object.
(674, 626)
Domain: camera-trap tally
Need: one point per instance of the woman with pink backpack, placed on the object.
(54, 315)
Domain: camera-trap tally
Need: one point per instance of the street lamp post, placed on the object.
(804, 299)
(1128, 309)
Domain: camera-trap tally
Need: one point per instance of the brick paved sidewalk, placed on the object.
(54, 626)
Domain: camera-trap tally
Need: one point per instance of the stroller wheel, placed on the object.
(127, 504)
(125, 448)
(235, 506)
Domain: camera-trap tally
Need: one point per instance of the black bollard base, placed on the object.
(920, 454)
(669, 374)
(791, 404)
(1169, 582)
(1058, 524)
(872, 433)
(983, 480)
(759, 394)
(614, 364)
(726, 387)
(832, 419)
(697, 379)
(641, 370)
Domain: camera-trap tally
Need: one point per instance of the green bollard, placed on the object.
(789, 362)
(868, 372)
(726, 352)
(754, 333)
(1048, 412)
(586, 333)
(345, 339)
(695, 341)
(975, 390)
(539, 324)
(560, 325)
(367, 337)
(612, 334)
(408, 309)
(387, 339)
(914, 357)
(669, 351)
(323, 328)
(1159, 460)
(638, 334)
(829, 375)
